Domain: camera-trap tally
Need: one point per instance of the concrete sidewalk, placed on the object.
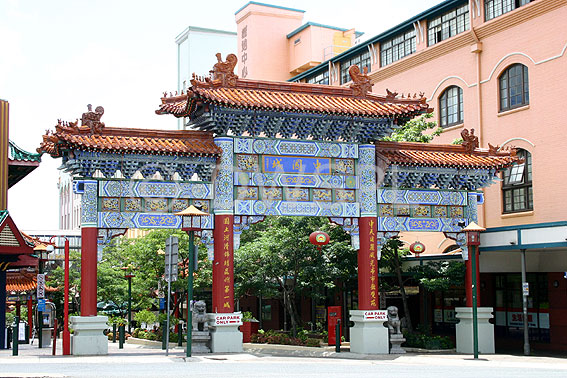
(150, 354)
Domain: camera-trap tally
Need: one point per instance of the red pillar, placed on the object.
(223, 265)
(367, 265)
(468, 279)
(89, 237)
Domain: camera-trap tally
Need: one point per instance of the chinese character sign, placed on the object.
(223, 265)
(368, 298)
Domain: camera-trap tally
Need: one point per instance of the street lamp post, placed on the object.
(473, 231)
(129, 276)
(66, 333)
(191, 222)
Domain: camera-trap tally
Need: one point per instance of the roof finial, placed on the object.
(224, 71)
(470, 141)
(360, 81)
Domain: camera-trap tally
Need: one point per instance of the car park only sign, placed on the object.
(376, 315)
(234, 319)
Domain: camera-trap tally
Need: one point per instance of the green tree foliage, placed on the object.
(440, 275)
(276, 260)
(416, 130)
(145, 317)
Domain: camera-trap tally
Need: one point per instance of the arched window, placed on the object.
(514, 87)
(451, 106)
(517, 192)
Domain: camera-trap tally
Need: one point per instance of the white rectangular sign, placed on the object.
(376, 315)
(41, 286)
(227, 319)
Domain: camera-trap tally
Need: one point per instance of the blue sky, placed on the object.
(58, 56)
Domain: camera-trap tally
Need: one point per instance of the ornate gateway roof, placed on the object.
(224, 102)
(20, 163)
(424, 165)
(93, 146)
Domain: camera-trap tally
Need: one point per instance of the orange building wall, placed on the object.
(538, 127)
(265, 41)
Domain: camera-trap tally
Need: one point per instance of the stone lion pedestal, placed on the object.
(225, 336)
(368, 335)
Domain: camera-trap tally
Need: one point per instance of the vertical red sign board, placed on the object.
(223, 265)
(367, 265)
(333, 316)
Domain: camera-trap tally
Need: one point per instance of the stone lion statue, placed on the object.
(199, 316)
(394, 323)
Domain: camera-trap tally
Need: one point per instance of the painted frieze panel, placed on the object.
(110, 204)
(322, 195)
(296, 194)
(204, 205)
(440, 211)
(158, 205)
(272, 193)
(421, 211)
(344, 166)
(402, 210)
(247, 163)
(247, 192)
(266, 207)
(342, 195)
(295, 180)
(456, 211)
(179, 204)
(132, 205)
(386, 210)
(145, 220)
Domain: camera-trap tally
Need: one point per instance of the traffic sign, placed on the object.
(171, 258)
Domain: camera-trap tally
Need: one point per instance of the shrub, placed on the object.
(145, 316)
(313, 342)
(425, 341)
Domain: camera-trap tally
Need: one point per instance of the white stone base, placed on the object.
(368, 336)
(88, 339)
(225, 338)
(464, 330)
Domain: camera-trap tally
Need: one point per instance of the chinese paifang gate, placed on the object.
(259, 148)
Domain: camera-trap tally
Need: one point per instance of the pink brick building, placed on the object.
(497, 66)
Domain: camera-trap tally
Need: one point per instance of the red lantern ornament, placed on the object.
(319, 238)
(417, 248)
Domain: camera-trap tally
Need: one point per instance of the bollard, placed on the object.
(114, 333)
(338, 336)
(121, 337)
(54, 337)
(163, 339)
(40, 326)
(179, 335)
(15, 336)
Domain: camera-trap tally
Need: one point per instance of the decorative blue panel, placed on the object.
(146, 220)
(367, 180)
(472, 208)
(295, 164)
(295, 180)
(419, 224)
(89, 203)
(135, 188)
(325, 209)
(422, 197)
(223, 203)
(295, 147)
(443, 178)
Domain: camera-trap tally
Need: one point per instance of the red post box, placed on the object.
(334, 315)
